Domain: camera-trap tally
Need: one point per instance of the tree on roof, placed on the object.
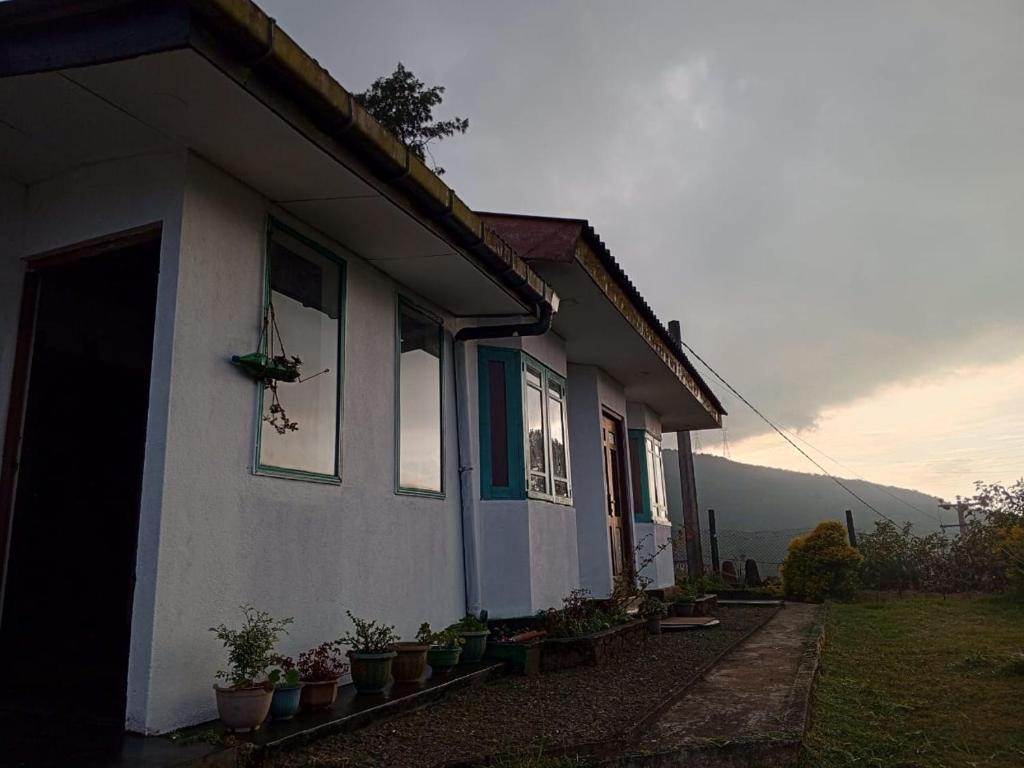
(404, 105)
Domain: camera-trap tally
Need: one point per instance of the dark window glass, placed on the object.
(499, 423)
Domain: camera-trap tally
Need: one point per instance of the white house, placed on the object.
(484, 395)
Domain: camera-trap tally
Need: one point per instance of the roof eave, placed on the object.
(36, 37)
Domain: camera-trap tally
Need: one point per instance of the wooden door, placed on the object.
(618, 533)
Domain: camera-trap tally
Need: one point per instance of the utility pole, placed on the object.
(688, 486)
(961, 510)
(850, 529)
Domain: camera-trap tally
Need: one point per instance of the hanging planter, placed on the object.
(262, 367)
(271, 365)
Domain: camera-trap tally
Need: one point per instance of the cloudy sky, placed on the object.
(828, 195)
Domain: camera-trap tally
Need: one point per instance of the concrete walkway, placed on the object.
(750, 709)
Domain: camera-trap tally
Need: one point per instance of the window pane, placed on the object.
(556, 422)
(499, 423)
(561, 488)
(535, 430)
(533, 377)
(305, 291)
(538, 483)
(419, 402)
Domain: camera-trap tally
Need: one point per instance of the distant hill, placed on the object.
(747, 497)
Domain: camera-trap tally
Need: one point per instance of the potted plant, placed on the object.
(445, 649)
(474, 632)
(244, 703)
(320, 670)
(370, 653)
(411, 659)
(683, 604)
(653, 610)
(287, 689)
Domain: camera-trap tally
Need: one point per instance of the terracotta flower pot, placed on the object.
(410, 663)
(318, 694)
(243, 709)
(371, 672)
(476, 644)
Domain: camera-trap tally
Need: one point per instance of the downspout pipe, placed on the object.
(468, 482)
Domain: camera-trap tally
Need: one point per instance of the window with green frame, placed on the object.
(648, 473)
(419, 430)
(304, 296)
(524, 448)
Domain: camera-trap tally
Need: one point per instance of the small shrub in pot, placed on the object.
(244, 703)
(320, 670)
(371, 653)
(445, 649)
(287, 689)
(653, 610)
(474, 632)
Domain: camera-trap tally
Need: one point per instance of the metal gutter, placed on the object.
(243, 23)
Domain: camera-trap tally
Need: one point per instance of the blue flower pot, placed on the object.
(285, 703)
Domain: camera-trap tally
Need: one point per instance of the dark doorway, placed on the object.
(70, 570)
(618, 524)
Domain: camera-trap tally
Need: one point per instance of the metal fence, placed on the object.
(766, 548)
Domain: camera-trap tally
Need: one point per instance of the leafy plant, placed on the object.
(424, 634)
(470, 623)
(687, 593)
(369, 636)
(652, 606)
(251, 647)
(324, 662)
(284, 672)
(445, 638)
(578, 616)
(821, 565)
(405, 106)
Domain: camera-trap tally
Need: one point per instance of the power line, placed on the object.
(881, 488)
(804, 453)
(786, 437)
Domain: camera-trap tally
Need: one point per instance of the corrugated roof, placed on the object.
(550, 238)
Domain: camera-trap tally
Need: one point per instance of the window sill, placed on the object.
(297, 474)
(562, 502)
(418, 493)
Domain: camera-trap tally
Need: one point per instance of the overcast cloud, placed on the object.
(828, 195)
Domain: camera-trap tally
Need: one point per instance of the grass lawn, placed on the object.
(920, 682)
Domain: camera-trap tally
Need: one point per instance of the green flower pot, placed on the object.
(371, 672)
(443, 658)
(476, 644)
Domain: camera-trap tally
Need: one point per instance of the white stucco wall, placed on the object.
(640, 416)
(89, 202)
(650, 536)
(591, 392)
(295, 548)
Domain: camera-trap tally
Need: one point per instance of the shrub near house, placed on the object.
(821, 565)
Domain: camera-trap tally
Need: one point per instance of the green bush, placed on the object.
(821, 565)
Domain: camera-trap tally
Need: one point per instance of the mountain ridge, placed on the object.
(750, 497)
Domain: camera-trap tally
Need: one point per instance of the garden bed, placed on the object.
(574, 706)
(593, 650)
